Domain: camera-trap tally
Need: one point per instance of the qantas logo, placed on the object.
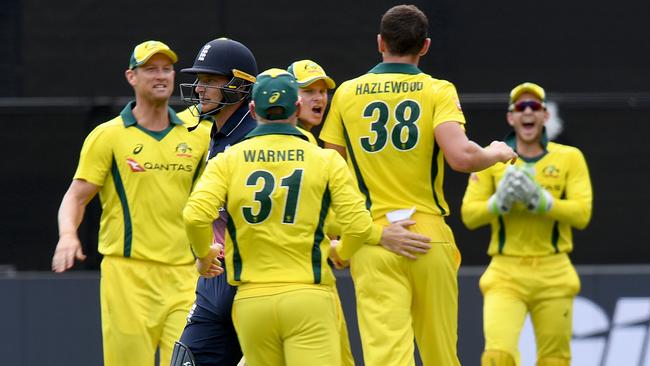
(134, 165)
(598, 340)
(148, 166)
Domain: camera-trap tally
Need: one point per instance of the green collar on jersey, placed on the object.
(276, 129)
(511, 140)
(395, 68)
(129, 118)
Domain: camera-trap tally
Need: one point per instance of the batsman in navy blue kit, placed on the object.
(225, 72)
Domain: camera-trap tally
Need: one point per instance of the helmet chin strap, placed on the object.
(202, 116)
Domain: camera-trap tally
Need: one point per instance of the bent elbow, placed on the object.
(460, 165)
(189, 216)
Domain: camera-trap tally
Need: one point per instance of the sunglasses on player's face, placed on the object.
(521, 106)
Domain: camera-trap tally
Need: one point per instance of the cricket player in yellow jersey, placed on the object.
(397, 125)
(532, 208)
(279, 188)
(143, 163)
(313, 85)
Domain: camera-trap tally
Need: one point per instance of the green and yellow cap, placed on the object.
(307, 71)
(143, 52)
(527, 87)
(275, 88)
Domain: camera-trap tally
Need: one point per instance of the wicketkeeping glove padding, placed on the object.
(502, 200)
(536, 198)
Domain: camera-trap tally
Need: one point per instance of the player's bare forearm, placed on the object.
(73, 206)
(466, 156)
(71, 212)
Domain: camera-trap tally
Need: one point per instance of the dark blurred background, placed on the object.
(62, 73)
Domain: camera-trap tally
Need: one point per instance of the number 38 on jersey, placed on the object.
(403, 133)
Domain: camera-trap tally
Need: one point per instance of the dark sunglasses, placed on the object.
(521, 106)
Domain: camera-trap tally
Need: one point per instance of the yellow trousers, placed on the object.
(298, 326)
(542, 286)
(144, 306)
(399, 299)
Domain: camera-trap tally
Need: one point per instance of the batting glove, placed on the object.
(502, 200)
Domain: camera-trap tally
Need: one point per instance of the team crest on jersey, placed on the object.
(184, 150)
(551, 171)
(134, 165)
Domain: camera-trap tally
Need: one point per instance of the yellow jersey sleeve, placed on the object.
(309, 135)
(203, 205)
(447, 105)
(349, 207)
(96, 157)
(474, 209)
(575, 208)
(332, 131)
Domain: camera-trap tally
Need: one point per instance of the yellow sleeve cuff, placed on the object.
(375, 234)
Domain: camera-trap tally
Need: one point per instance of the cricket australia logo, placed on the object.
(551, 171)
(598, 341)
(183, 150)
(134, 165)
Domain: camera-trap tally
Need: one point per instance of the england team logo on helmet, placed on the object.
(220, 57)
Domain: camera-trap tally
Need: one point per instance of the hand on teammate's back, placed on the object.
(67, 250)
(398, 239)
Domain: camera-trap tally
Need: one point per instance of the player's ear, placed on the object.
(381, 46)
(425, 47)
(130, 76)
(298, 106)
(511, 122)
(251, 108)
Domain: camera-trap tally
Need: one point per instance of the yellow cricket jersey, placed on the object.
(562, 171)
(309, 135)
(278, 189)
(332, 227)
(145, 179)
(386, 120)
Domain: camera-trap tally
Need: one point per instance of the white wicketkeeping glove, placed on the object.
(536, 198)
(522, 185)
(501, 201)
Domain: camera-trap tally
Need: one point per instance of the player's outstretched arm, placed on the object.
(71, 213)
(466, 156)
